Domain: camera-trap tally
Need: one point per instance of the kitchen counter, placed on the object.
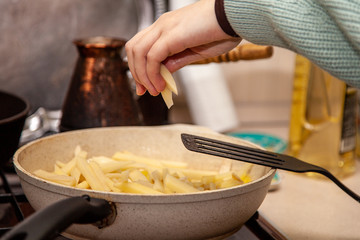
(308, 208)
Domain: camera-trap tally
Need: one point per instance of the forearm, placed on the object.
(324, 31)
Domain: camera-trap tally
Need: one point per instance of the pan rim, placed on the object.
(135, 198)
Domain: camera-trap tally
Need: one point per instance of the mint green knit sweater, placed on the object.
(327, 32)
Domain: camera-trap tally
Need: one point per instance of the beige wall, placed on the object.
(37, 56)
(262, 87)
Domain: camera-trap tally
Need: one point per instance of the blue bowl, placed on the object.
(267, 141)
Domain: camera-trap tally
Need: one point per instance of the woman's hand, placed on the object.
(176, 39)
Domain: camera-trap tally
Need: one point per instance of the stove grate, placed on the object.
(8, 197)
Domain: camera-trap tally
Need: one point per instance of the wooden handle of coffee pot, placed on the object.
(242, 52)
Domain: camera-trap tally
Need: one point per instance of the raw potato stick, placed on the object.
(170, 86)
(170, 82)
(167, 96)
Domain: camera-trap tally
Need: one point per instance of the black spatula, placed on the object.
(257, 156)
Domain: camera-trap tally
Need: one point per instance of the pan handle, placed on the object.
(48, 222)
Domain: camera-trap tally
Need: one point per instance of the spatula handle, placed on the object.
(339, 184)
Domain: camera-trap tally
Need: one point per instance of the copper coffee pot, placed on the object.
(99, 94)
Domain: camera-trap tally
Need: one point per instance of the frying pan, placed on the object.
(203, 215)
(13, 112)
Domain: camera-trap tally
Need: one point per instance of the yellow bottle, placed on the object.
(358, 129)
(323, 120)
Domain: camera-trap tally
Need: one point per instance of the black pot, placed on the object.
(13, 112)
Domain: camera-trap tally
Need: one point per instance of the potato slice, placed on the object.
(99, 174)
(59, 171)
(111, 185)
(232, 182)
(225, 166)
(83, 185)
(61, 179)
(170, 82)
(76, 174)
(208, 179)
(108, 164)
(167, 96)
(133, 187)
(89, 175)
(59, 164)
(174, 164)
(136, 175)
(69, 166)
(177, 185)
(223, 176)
(170, 86)
(78, 152)
(127, 156)
(119, 177)
(158, 185)
(198, 174)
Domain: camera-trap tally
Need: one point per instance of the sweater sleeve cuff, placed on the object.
(222, 20)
